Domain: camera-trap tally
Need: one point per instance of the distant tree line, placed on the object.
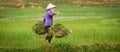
(43, 3)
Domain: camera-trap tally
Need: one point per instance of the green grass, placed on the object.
(28, 13)
(90, 34)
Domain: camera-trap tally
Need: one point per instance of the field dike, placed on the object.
(71, 17)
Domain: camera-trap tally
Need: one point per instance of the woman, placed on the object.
(48, 21)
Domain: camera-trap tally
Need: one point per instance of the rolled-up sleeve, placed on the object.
(50, 13)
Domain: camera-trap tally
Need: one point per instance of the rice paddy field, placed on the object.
(94, 29)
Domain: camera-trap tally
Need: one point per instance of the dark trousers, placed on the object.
(48, 37)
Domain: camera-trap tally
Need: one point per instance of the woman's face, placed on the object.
(51, 8)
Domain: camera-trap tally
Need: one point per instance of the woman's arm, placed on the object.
(51, 13)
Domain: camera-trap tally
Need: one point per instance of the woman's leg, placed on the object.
(48, 37)
(47, 29)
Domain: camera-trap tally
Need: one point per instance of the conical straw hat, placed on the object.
(50, 5)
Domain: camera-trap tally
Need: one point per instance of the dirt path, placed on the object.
(71, 17)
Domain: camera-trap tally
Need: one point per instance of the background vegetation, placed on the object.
(95, 27)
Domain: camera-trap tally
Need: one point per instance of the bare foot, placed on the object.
(49, 44)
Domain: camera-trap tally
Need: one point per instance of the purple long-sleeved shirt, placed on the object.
(48, 19)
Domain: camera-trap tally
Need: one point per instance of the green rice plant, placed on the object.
(39, 28)
(90, 33)
(59, 30)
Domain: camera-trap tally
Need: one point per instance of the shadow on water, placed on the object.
(66, 47)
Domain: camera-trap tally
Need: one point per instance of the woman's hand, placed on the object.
(57, 12)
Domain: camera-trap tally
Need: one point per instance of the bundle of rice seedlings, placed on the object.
(39, 28)
(59, 30)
